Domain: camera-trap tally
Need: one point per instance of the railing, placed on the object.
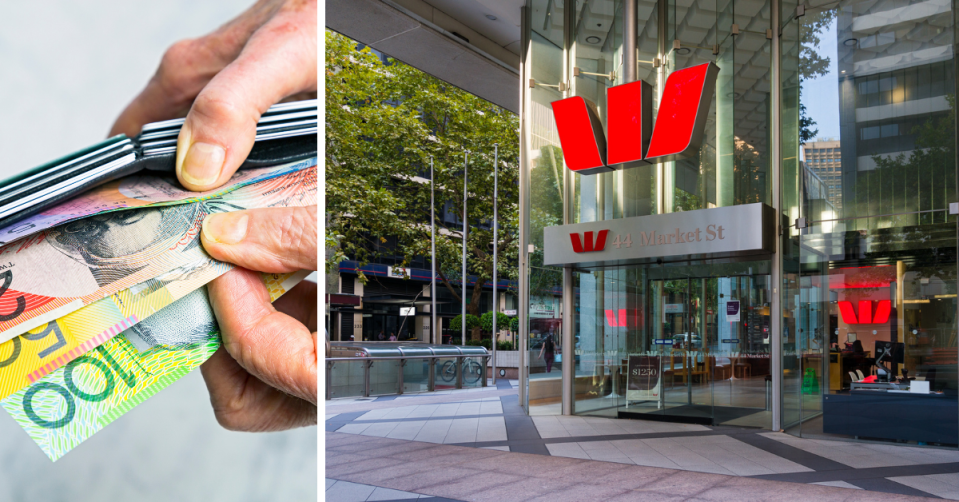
(449, 371)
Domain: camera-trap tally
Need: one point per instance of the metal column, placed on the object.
(466, 162)
(776, 303)
(433, 337)
(523, 209)
(495, 249)
(630, 49)
(568, 345)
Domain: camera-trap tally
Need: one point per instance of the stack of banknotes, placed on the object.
(103, 298)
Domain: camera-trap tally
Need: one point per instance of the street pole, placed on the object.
(495, 239)
(432, 255)
(466, 162)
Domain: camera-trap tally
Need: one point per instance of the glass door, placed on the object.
(712, 338)
(678, 328)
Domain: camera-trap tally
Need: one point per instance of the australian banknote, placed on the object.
(60, 270)
(71, 404)
(147, 189)
(36, 353)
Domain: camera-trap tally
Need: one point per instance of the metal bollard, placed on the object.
(366, 378)
(769, 388)
(459, 372)
(431, 383)
(485, 362)
(399, 378)
(329, 385)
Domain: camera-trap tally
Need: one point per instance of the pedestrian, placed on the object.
(392, 337)
(381, 336)
(549, 350)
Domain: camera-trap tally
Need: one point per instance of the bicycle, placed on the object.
(472, 371)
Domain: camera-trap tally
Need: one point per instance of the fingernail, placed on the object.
(225, 228)
(203, 163)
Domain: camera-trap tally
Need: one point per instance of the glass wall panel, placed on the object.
(880, 304)
(791, 199)
(870, 97)
(732, 165)
(597, 57)
(547, 172)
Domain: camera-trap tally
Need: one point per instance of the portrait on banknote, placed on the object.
(118, 244)
(188, 321)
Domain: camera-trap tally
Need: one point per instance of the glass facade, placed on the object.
(841, 117)
(870, 93)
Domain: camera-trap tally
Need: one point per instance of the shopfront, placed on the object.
(791, 264)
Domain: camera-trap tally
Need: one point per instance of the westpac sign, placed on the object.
(717, 232)
(633, 139)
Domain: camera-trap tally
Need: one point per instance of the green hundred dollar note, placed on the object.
(66, 407)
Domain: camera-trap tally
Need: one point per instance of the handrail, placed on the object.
(431, 386)
(411, 356)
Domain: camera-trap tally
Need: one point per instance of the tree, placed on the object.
(384, 120)
(472, 322)
(486, 321)
(811, 64)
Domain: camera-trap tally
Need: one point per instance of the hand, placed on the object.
(226, 80)
(264, 376)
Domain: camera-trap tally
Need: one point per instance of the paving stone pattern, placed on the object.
(478, 444)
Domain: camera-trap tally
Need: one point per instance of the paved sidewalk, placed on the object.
(481, 446)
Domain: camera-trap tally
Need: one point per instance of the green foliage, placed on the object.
(471, 322)
(486, 321)
(383, 124)
(514, 324)
(486, 342)
(811, 64)
(480, 343)
(811, 26)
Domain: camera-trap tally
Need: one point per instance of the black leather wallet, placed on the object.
(285, 133)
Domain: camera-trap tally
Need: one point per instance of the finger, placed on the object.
(243, 403)
(278, 60)
(274, 240)
(300, 304)
(187, 66)
(268, 344)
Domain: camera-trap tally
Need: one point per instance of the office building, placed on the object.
(753, 278)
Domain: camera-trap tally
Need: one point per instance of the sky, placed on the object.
(821, 95)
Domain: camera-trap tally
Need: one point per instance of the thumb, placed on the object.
(274, 240)
(279, 60)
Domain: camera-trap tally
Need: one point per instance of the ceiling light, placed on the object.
(682, 51)
(592, 40)
(850, 42)
(491, 17)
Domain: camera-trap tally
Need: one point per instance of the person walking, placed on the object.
(549, 350)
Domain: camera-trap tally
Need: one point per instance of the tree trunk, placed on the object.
(473, 307)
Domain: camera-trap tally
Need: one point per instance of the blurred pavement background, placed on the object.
(67, 69)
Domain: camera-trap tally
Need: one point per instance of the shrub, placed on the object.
(486, 321)
(471, 322)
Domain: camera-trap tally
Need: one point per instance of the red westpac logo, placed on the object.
(586, 244)
(632, 140)
(866, 315)
(623, 318)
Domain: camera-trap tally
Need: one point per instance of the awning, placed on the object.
(343, 300)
